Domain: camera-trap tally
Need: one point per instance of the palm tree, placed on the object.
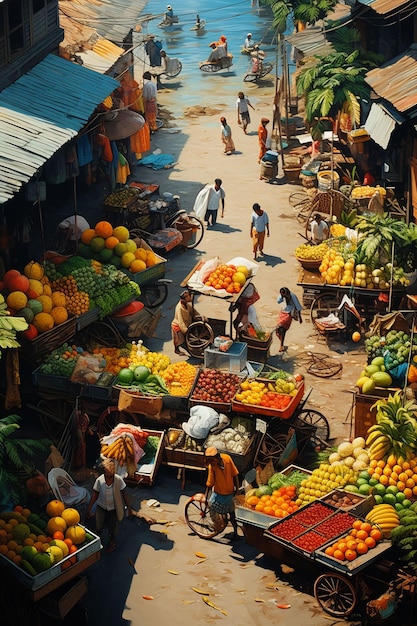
(14, 454)
(307, 11)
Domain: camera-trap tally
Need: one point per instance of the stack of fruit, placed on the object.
(31, 295)
(228, 277)
(395, 347)
(36, 543)
(362, 537)
(325, 478)
(114, 246)
(374, 375)
(179, 378)
(395, 430)
(308, 252)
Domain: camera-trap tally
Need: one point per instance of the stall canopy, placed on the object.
(40, 112)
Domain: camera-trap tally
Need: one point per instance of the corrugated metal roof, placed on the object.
(313, 39)
(40, 112)
(112, 19)
(396, 81)
(103, 55)
(384, 6)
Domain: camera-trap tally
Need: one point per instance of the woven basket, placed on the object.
(292, 174)
(310, 264)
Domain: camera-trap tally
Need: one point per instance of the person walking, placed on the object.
(242, 107)
(185, 314)
(227, 140)
(291, 311)
(262, 137)
(149, 95)
(258, 226)
(216, 197)
(223, 482)
(109, 491)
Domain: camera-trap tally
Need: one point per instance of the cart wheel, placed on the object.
(300, 201)
(316, 419)
(335, 594)
(323, 305)
(104, 333)
(198, 517)
(251, 78)
(196, 225)
(54, 414)
(153, 295)
(198, 337)
(111, 417)
(323, 366)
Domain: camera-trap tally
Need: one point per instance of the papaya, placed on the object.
(382, 379)
(378, 360)
(361, 381)
(371, 369)
(368, 386)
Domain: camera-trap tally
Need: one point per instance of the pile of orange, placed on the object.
(279, 504)
(222, 278)
(398, 472)
(361, 538)
(179, 378)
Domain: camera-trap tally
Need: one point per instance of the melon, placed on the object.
(382, 379)
(122, 233)
(97, 244)
(105, 255)
(239, 277)
(18, 283)
(244, 270)
(46, 303)
(35, 305)
(59, 314)
(141, 254)
(368, 386)
(127, 259)
(42, 561)
(141, 373)
(131, 245)
(43, 322)
(77, 534)
(125, 376)
(27, 314)
(33, 270)
(84, 250)
(36, 286)
(16, 300)
(58, 298)
(120, 249)
(137, 266)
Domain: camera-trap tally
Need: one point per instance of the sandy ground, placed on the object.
(241, 580)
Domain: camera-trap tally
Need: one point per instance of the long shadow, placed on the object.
(222, 228)
(271, 260)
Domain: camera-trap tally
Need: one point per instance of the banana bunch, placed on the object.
(9, 326)
(121, 450)
(385, 517)
(395, 431)
(283, 386)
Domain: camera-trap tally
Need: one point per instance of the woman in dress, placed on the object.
(291, 311)
(227, 140)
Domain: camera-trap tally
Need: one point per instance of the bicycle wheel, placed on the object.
(323, 305)
(111, 417)
(316, 419)
(184, 222)
(153, 295)
(335, 594)
(198, 337)
(54, 414)
(300, 201)
(198, 517)
(105, 334)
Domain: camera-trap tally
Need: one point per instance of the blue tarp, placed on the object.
(157, 161)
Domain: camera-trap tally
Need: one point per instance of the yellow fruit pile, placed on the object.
(337, 230)
(78, 302)
(113, 245)
(251, 392)
(179, 378)
(365, 191)
(324, 479)
(311, 253)
(397, 472)
(332, 266)
(154, 361)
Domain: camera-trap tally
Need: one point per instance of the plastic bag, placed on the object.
(88, 368)
(222, 343)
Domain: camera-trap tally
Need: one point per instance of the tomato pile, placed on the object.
(313, 514)
(215, 386)
(310, 541)
(335, 525)
(288, 529)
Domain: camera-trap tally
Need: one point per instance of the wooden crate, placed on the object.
(60, 602)
(364, 416)
(145, 475)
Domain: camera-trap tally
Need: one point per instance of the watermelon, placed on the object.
(125, 376)
(141, 373)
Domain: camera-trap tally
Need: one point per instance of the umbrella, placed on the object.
(122, 124)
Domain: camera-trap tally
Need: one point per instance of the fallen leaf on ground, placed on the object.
(147, 597)
(201, 591)
(240, 590)
(162, 521)
(172, 571)
(201, 561)
(213, 606)
(283, 606)
(188, 601)
(201, 555)
(259, 600)
(286, 569)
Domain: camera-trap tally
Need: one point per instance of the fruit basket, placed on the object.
(309, 264)
(215, 389)
(285, 413)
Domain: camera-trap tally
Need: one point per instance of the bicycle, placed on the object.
(200, 518)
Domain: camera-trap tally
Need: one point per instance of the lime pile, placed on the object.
(366, 485)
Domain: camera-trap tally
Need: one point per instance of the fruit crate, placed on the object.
(179, 403)
(318, 522)
(247, 515)
(180, 457)
(85, 319)
(63, 383)
(42, 345)
(352, 567)
(240, 407)
(146, 473)
(151, 274)
(60, 569)
(359, 505)
(220, 407)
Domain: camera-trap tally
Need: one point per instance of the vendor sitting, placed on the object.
(319, 229)
(214, 56)
(185, 314)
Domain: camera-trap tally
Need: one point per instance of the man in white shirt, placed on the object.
(216, 196)
(319, 229)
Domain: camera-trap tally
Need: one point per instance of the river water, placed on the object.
(235, 20)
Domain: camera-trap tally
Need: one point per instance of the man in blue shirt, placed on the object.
(258, 227)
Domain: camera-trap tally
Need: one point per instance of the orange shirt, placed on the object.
(221, 479)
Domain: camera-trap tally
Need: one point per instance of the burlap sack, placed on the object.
(133, 402)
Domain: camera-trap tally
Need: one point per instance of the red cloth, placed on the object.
(104, 141)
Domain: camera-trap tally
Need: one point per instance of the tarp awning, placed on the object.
(384, 6)
(102, 56)
(40, 112)
(380, 124)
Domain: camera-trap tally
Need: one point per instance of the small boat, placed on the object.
(201, 26)
(171, 24)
